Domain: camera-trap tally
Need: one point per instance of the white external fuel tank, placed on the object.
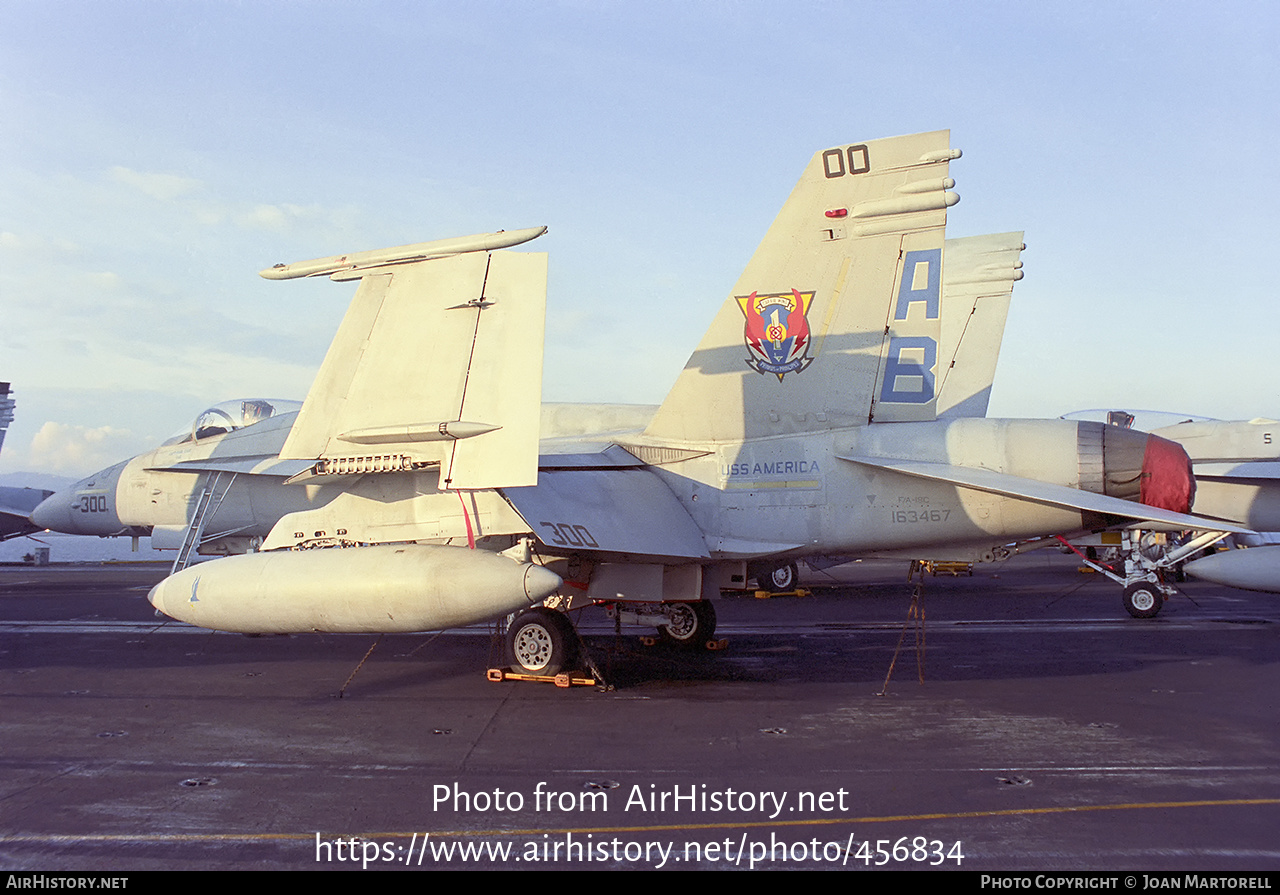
(1257, 568)
(394, 588)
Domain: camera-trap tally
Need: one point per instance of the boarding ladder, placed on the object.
(216, 486)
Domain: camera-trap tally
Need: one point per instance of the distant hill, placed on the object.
(35, 480)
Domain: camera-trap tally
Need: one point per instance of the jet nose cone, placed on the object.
(54, 512)
(86, 508)
(540, 583)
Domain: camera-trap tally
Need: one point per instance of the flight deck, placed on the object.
(1051, 732)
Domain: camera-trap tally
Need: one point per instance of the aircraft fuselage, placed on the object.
(786, 495)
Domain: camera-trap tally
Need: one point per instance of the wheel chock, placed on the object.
(651, 641)
(798, 592)
(564, 679)
(943, 567)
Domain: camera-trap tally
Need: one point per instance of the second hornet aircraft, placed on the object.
(412, 492)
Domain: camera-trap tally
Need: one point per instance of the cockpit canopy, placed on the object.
(232, 415)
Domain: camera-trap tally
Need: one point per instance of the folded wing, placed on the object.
(438, 362)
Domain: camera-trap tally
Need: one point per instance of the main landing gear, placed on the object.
(543, 642)
(775, 579)
(689, 625)
(783, 579)
(1143, 600)
(1146, 556)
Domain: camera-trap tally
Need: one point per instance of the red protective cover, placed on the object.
(1167, 481)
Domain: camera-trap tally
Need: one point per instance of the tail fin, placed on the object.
(438, 361)
(976, 286)
(835, 320)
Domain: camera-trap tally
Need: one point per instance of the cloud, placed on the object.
(164, 187)
(279, 218)
(79, 450)
(266, 217)
(36, 246)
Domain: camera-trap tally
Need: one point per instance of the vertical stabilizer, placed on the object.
(835, 320)
(976, 287)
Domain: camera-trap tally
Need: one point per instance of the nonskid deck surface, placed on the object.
(1052, 731)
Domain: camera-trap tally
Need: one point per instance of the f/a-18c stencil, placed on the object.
(411, 490)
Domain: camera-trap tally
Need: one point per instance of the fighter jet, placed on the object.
(16, 504)
(410, 492)
(1237, 469)
(1236, 466)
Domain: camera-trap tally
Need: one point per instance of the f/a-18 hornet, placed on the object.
(412, 491)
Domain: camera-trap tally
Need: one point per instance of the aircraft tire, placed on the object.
(541, 641)
(692, 625)
(783, 579)
(1142, 600)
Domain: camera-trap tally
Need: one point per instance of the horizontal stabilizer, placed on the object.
(21, 501)
(16, 506)
(1044, 492)
(612, 457)
(339, 266)
(579, 509)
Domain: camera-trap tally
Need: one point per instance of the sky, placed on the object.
(155, 155)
